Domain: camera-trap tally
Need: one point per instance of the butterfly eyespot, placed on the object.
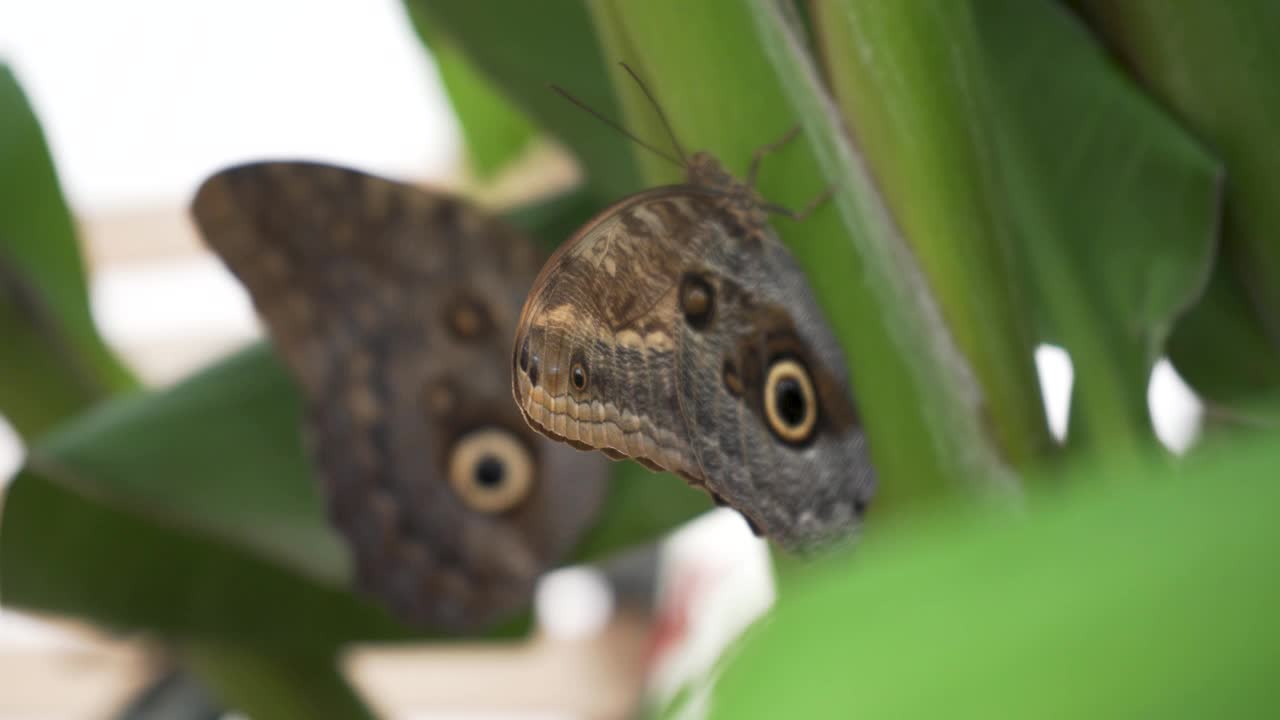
(491, 471)
(790, 405)
(697, 301)
(524, 355)
(440, 399)
(468, 318)
(578, 376)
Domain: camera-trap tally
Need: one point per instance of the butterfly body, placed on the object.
(676, 329)
(393, 309)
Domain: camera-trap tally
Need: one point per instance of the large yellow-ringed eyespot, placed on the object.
(491, 470)
(790, 405)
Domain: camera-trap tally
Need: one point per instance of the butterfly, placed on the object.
(393, 309)
(676, 329)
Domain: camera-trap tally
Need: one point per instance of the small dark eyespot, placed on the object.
(859, 507)
(533, 372)
(524, 355)
(578, 374)
(697, 301)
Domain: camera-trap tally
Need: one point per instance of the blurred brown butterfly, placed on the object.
(676, 329)
(394, 308)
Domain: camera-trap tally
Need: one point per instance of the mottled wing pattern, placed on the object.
(805, 494)
(678, 382)
(394, 308)
(605, 301)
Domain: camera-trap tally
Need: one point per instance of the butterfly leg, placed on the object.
(802, 213)
(765, 150)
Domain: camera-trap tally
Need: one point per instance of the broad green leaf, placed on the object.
(529, 45)
(1221, 350)
(1114, 207)
(268, 685)
(219, 453)
(1111, 598)
(495, 131)
(1214, 66)
(51, 357)
(732, 77)
(68, 553)
(909, 103)
(1037, 186)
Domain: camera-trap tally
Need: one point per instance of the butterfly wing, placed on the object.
(393, 309)
(674, 331)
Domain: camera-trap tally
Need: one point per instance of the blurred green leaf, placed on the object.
(1214, 66)
(1220, 349)
(533, 44)
(64, 552)
(1038, 187)
(219, 453)
(276, 686)
(903, 75)
(1115, 208)
(495, 131)
(52, 360)
(731, 79)
(1111, 598)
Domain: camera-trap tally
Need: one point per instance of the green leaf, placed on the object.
(495, 131)
(1115, 208)
(534, 44)
(1214, 66)
(53, 361)
(1099, 602)
(67, 553)
(731, 78)
(276, 686)
(1221, 350)
(219, 453)
(1046, 198)
(903, 74)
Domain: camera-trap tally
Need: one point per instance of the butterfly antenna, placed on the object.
(684, 160)
(616, 126)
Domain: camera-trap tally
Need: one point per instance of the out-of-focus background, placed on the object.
(141, 100)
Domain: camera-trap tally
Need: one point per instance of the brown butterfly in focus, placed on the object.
(393, 308)
(676, 329)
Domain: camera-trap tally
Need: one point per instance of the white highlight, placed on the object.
(573, 603)
(1053, 365)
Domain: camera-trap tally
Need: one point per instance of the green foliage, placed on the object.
(1146, 594)
(534, 44)
(52, 362)
(495, 132)
(1213, 65)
